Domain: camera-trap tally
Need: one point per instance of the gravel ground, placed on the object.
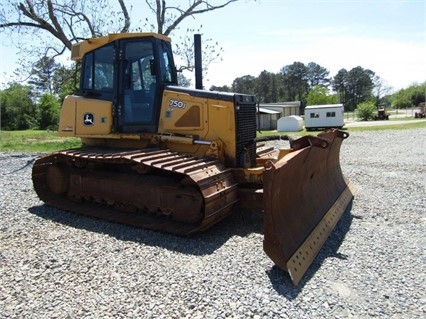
(59, 265)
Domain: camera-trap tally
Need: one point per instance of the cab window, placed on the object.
(140, 82)
(99, 70)
(166, 65)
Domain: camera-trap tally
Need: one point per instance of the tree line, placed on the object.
(55, 25)
(36, 104)
(312, 85)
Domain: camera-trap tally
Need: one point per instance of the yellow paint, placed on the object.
(215, 122)
(78, 50)
(82, 117)
(175, 109)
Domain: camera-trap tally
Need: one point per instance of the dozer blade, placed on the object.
(305, 195)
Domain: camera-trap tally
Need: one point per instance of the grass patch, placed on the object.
(35, 141)
(47, 141)
(410, 118)
(404, 126)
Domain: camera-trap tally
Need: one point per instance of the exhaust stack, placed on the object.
(198, 62)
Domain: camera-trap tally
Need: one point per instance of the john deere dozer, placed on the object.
(174, 159)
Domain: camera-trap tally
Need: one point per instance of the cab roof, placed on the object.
(78, 50)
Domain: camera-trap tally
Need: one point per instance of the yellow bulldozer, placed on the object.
(178, 160)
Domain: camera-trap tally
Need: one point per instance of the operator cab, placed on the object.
(131, 73)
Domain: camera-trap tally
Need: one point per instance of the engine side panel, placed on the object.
(82, 116)
(227, 119)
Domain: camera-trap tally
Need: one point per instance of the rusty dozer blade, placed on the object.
(305, 194)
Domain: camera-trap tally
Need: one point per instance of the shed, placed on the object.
(292, 123)
(267, 119)
(284, 108)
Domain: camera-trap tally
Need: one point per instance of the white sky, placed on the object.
(387, 37)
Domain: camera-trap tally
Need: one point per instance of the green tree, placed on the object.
(42, 75)
(65, 81)
(381, 91)
(340, 85)
(223, 88)
(354, 87)
(244, 84)
(18, 111)
(183, 81)
(266, 87)
(295, 78)
(48, 112)
(318, 95)
(418, 94)
(360, 86)
(366, 110)
(409, 97)
(401, 99)
(317, 75)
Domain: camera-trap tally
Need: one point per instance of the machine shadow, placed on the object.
(281, 280)
(239, 223)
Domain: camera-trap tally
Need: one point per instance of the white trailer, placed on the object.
(324, 116)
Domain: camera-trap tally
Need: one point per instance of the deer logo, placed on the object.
(89, 119)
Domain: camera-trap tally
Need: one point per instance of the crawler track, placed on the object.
(151, 188)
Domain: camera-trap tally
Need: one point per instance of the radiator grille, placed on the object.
(245, 122)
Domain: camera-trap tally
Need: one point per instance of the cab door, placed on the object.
(137, 82)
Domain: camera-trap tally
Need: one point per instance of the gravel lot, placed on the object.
(59, 265)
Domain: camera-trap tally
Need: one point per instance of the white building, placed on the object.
(269, 113)
(292, 123)
(267, 119)
(324, 116)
